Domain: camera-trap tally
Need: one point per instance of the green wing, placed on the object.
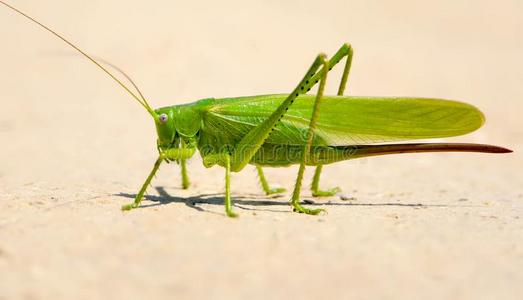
(343, 120)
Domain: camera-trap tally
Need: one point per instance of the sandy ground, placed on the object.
(74, 148)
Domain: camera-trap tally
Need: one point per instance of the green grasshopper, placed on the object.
(285, 129)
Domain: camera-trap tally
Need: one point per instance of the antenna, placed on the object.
(142, 101)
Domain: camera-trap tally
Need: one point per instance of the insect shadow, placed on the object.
(164, 198)
(252, 202)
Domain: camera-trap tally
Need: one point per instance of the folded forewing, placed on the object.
(346, 120)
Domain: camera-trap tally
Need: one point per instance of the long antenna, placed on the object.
(142, 101)
(118, 69)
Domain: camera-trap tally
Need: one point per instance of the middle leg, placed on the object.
(183, 166)
(265, 185)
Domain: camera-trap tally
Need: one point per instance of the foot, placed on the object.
(129, 206)
(327, 193)
(230, 213)
(296, 207)
(273, 191)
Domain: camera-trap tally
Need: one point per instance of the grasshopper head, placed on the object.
(165, 128)
(176, 124)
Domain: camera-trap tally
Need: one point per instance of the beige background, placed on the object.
(73, 145)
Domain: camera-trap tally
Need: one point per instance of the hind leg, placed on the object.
(295, 200)
(346, 50)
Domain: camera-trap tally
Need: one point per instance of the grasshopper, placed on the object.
(285, 129)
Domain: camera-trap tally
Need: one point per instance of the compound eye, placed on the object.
(163, 118)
